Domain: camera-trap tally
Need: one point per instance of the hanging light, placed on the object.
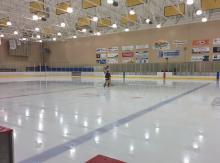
(127, 29)
(40, 40)
(15, 32)
(69, 10)
(158, 26)
(189, 2)
(24, 39)
(84, 30)
(37, 29)
(62, 24)
(114, 26)
(199, 12)
(2, 35)
(35, 17)
(8, 23)
(204, 19)
(132, 12)
(38, 36)
(98, 33)
(95, 19)
(59, 34)
(147, 20)
(110, 2)
(74, 36)
(54, 39)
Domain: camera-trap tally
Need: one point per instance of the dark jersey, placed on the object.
(107, 76)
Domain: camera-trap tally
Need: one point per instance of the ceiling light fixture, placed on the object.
(37, 29)
(189, 2)
(59, 34)
(204, 19)
(69, 10)
(95, 19)
(127, 29)
(110, 2)
(114, 26)
(24, 39)
(54, 39)
(75, 36)
(199, 12)
(38, 36)
(132, 12)
(62, 24)
(8, 23)
(35, 17)
(84, 30)
(2, 35)
(158, 26)
(98, 33)
(40, 40)
(15, 32)
(147, 20)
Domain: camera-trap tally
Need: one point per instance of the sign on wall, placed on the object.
(127, 54)
(162, 45)
(141, 47)
(169, 54)
(200, 46)
(101, 50)
(216, 45)
(180, 43)
(142, 57)
(198, 58)
(127, 48)
(216, 58)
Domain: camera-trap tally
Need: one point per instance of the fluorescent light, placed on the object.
(75, 36)
(54, 39)
(69, 10)
(110, 2)
(37, 29)
(38, 36)
(114, 26)
(158, 25)
(24, 39)
(189, 2)
(62, 24)
(2, 35)
(59, 34)
(147, 20)
(15, 32)
(127, 29)
(84, 30)
(199, 12)
(95, 19)
(204, 19)
(98, 33)
(40, 40)
(132, 12)
(35, 17)
(9, 23)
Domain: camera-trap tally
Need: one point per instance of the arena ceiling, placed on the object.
(65, 19)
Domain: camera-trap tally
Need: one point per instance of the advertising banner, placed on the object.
(127, 54)
(200, 50)
(127, 60)
(169, 54)
(127, 48)
(113, 49)
(101, 61)
(216, 49)
(216, 58)
(162, 45)
(197, 58)
(101, 50)
(141, 57)
(200, 43)
(179, 43)
(139, 47)
(216, 42)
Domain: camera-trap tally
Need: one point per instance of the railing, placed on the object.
(188, 68)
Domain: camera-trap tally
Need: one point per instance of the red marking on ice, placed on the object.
(103, 159)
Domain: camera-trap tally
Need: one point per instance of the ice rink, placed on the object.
(133, 121)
